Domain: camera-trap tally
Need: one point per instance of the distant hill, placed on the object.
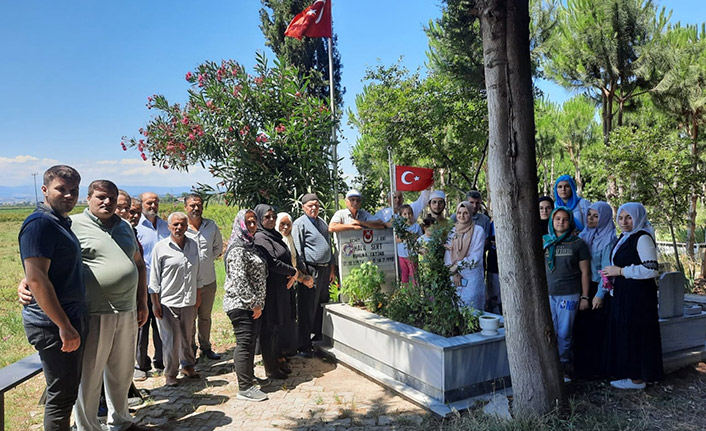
(25, 194)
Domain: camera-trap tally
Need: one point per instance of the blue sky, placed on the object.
(75, 75)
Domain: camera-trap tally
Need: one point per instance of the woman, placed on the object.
(565, 195)
(546, 205)
(288, 332)
(464, 257)
(635, 350)
(244, 299)
(590, 325)
(567, 262)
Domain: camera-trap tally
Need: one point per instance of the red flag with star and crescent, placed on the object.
(412, 179)
(314, 21)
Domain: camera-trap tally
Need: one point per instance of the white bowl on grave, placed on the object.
(489, 324)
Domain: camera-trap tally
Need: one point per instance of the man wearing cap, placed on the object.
(352, 217)
(437, 204)
(313, 243)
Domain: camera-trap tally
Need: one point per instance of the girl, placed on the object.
(407, 268)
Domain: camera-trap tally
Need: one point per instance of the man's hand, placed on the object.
(23, 292)
(70, 339)
(142, 314)
(156, 306)
(198, 298)
(332, 275)
(307, 281)
(256, 312)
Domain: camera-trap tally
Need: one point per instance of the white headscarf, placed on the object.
(639, 222)
(288, 239)
(599, 237)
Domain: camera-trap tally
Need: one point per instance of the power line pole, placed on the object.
(36, 196)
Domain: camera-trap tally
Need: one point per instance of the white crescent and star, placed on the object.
(403, 177)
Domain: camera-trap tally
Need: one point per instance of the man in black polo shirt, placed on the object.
(54, 320)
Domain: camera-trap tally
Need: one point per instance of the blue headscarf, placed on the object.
(551, 240)
(599, 237)
(572, 202)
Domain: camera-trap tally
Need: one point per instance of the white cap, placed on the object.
(352, 193)
(437, 194)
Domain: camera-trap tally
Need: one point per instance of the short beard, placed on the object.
(150, 213)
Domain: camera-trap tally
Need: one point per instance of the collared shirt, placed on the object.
(482, 220)
(345, 216)
(148, 236)
(109, 267)
(210, 242)
(46, 234)
(385, 214)
(175, 276)
(312, 240)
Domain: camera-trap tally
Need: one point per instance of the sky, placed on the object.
(75, 75)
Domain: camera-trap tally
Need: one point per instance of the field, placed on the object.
(21, 409)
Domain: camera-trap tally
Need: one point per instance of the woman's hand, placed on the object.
(612, 271)
(256, 312)
(583, 304)
(597, 303)
(292, 279)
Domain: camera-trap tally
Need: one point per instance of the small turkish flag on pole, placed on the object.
(314, 21)
(411, 179)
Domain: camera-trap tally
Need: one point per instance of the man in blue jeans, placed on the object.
(54, 320)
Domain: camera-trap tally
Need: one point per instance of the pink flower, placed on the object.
(280, 128)
(191, 136)
(122, 144)
(261, 138)
(185, 120)
(298, 94)
(189, 75)
(201, 80)
(149, 99)
(258, 80)
(244, 131)
(236, 90)
(170, 148)
(209, 104)
(143, 156)
(165, 166)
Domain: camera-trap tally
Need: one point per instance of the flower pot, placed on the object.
(489, 324)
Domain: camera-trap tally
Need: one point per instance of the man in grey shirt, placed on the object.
(313, 243)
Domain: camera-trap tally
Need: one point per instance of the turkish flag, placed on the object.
(411, 179)
(314, 21)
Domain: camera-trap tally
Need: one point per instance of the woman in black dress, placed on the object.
(634, 349)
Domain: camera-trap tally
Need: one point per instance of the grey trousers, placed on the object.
(176, 328)
(203, 319)
(107, 359)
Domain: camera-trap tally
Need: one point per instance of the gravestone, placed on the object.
(671, 294)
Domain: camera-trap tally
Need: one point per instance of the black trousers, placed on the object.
(143, 341)
(246, 331)
(269, 345)
(62, 372)
(309, 305)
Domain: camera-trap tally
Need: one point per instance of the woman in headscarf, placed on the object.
(546, 206)
(281, 276)
(244, 299)
(464, 257)
(634, 342)
(288, 342)
(568, 265)
(565, 196)
(590, 325)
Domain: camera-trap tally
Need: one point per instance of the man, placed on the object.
(479, 219)
(116, 299)
(150, 230)
(313, 243)
(208, 237)
(174, 286)
(352, 217)
(55, 320)
(396, 201)
(437, 204)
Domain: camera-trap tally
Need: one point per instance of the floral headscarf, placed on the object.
(240, 236)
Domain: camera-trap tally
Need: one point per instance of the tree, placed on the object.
(531, 344)
(310, 55)
(264, 135)
(432, 122)
(682, 94)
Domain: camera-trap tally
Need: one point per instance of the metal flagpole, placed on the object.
(390, 198)
(333, 114)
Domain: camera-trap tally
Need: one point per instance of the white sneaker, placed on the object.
(627, 384)
(252, 394)
(567, 379)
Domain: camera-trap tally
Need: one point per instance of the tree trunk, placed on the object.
(531, 343)
(691, 216)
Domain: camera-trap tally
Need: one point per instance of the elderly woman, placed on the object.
(567, 262)
(590, 325)
(565, 196)
(635, 350)
(244, 299)
(464, 257)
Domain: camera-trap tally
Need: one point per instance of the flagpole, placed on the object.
(391, 198)
(333, 114)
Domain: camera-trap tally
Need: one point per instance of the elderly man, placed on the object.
(55, 320)
(175, 288)
(150, 230)
(313, 243)
(208, 237)
(352, 217)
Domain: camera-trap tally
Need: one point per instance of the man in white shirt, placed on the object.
(352, 217)
(208, 237)
(396, 201)
(174, 287)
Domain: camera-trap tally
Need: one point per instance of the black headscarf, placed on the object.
(544, 224)
(260, 211)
